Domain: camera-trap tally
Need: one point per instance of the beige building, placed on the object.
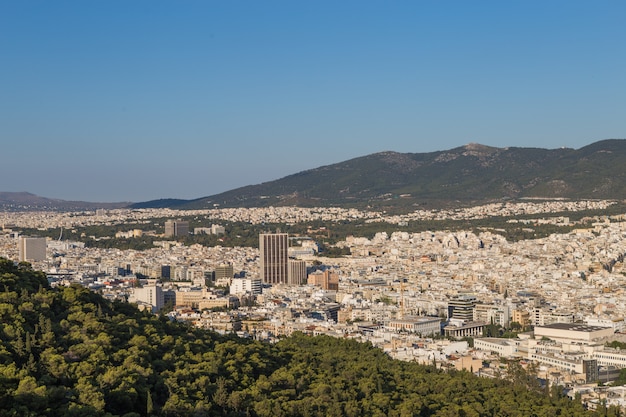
(31, 249)
(274, 257)
(573, 331)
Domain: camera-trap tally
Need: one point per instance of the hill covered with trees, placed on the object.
(467, 175)
(69, 352)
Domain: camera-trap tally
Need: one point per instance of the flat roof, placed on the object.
(576, 327)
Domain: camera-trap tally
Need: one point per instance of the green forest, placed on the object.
(69, 352)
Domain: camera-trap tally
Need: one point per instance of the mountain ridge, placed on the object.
(465, 175)
(469, 174)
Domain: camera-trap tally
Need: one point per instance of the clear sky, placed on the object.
(145, 99)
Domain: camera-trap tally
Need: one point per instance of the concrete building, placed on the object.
(503, 347)
(460, 328)
(31, 249)
(462, 307)
(151, 295)
(297, 272)
(240, 286)
(224, 270)
(425, 326)
(326, 279)
(572, 331)
(176, 228)
(274, 258)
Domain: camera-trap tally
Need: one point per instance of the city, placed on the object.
(460, 299)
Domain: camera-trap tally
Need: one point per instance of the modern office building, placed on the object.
(31, 249)
(225, 270)
(462, 307)
(297, 272)
(274, 262)
(176, 228)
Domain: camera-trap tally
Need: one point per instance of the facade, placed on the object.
(462, 307)
(224, 271)
(297, 272)
(579, 332)
(546, 316)
(459, 329)
(274, 258)
(151, 295)
(326, 279)
(176, 228)
(425, 326)
(31, 248)
(503, 347)
(490, 313)
(240, 286)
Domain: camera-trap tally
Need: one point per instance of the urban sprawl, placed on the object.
(458, 299)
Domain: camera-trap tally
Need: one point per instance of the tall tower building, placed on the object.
(176, 228)
(274, 249)
(31, 248)
(297, 272)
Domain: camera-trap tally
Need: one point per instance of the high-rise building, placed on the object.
(176, 228)
(31, 248)
(297, 272)
(274, 263)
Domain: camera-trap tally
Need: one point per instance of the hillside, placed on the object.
(23, 201)
(466, 175)
(69, 352)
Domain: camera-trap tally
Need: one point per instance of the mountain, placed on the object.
(469, 174)
(10, 201)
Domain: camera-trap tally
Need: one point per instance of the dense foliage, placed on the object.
(69, 352)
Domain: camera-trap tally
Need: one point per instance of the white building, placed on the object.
(240, 286)
(425, 326)
(151, 294)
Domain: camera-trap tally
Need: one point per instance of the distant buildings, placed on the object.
(176, 228)
(215, 229)
(31, 249)
(274, 258)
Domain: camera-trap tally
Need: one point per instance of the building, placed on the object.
(31, 249)
(424, 326)
(326, 279)
(151, 295)
(240, 286)
(224, 271)
(274, 258)
(459, 328)
(573, 332)
(546, 316)
(462, 307)
(297, 272)
(176, 228)
(491, 313)
(503, 347)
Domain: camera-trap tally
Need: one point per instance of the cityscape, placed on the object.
(312, 209)
(461, 299)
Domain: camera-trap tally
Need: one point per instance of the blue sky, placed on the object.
(138, 100)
